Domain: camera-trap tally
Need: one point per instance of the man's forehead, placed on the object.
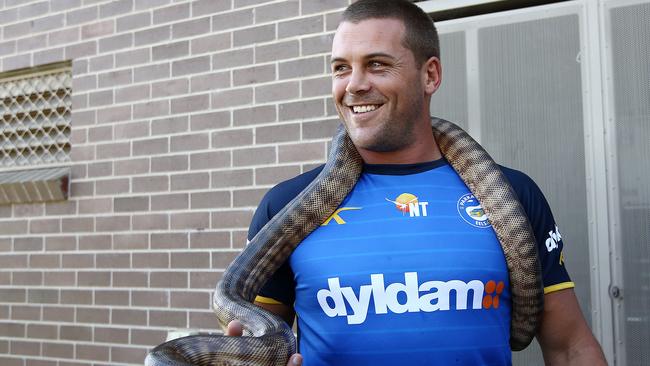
(368, 36)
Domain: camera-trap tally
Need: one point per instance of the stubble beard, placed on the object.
(394, 133)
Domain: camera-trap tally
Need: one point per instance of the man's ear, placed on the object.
(432, 74)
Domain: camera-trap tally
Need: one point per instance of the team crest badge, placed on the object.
(471, 211)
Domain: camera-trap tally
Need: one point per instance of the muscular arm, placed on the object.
(564, 335)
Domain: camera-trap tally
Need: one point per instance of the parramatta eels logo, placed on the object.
(471, 211)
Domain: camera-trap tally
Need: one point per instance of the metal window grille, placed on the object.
(35, 107)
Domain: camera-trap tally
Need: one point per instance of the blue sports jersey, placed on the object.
(406, 271)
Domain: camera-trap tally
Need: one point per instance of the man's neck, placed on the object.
(424, 149)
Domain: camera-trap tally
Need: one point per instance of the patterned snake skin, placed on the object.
(267, 338)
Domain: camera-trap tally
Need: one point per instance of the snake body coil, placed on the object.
(269, 341)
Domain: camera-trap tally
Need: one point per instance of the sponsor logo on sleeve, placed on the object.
(553, 240)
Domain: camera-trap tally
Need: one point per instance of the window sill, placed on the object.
(34, 185)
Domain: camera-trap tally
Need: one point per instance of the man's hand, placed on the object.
(235, 329)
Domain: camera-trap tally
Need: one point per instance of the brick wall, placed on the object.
(184, 114)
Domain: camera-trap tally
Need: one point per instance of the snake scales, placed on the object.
(267, 338)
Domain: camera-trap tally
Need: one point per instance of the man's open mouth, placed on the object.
(357, 109)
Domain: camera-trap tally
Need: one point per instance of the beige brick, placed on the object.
(128, 317)
(94, 242)
(156, 299)
(147, 336)
(78, 261)
(169, 163)
(13, 261)
(171, 13)
(25, 312)
(254, 115)
(275, 175)
(151, 146)
(81, 297)
(235, 177)
(101, 169)
(131, 355)
(248, 197)
(111, 297)
(151, 184)
(169, 241)
(170, 50)
(190, 181)
(77, 224)
(254, 35)
(151, 222)
(132, 167)
(232, 138)
(93, 279)
(168, 280)
(99, 205)
(25, 348)
(92, 352)
(110, 335)
(254, 156)
(27, 279)
(132, 57)
(210, 82)
(44, 261)
(204, 280)
(130, 279)
(93, 315)
(301, 110)
(60, 243)
(168, 88)
(112, 260)
(320, 129)
(211, 43)
(151, 260)
(196, 141)
(277, 133)
(76, 333)
(168, 318)
(130, 241)
(210, 160)
(302, 152)
(112, 186)
(20, 227)
(113, 223)
(277, 92)
(42, 331)
(233, 58)
(230, 98)
(58, 350)
(191, 27)
(116, 42)
(133, 21)
(60, 279)
(301, 26)
(204, 320)
(131, 204)
(152, 35)
(190, 260)
(208, 121)
(28, 244)
(190, 220)
(210, 199)
(277, 51)
(132, 130)
(42, 226)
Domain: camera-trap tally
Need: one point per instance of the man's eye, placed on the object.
(376, 64)
(339, 68)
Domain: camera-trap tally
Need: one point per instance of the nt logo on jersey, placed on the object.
(427, 296)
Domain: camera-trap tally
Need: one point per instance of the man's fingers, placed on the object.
(234, 329)
(295, 360)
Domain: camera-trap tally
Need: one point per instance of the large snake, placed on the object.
(268, 340)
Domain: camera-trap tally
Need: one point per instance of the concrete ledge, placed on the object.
(34, 185)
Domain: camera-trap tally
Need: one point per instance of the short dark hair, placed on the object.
(421, 36)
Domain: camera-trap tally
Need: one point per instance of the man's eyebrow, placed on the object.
(368, 56)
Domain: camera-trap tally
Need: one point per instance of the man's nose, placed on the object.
(358, 83)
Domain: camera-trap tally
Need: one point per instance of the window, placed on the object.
(35, 105)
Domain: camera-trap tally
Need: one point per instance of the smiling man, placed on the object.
(408, 270)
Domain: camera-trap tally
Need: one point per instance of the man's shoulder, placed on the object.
(523, 185)
(285, 191)
(278, 196)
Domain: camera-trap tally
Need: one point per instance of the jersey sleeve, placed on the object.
(547, 234)
(281, 286)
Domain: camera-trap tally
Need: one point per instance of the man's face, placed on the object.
(377, 86)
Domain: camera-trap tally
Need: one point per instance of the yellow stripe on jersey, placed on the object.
(558, 287)
(267, 300)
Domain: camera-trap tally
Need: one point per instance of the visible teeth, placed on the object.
(363, 108)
